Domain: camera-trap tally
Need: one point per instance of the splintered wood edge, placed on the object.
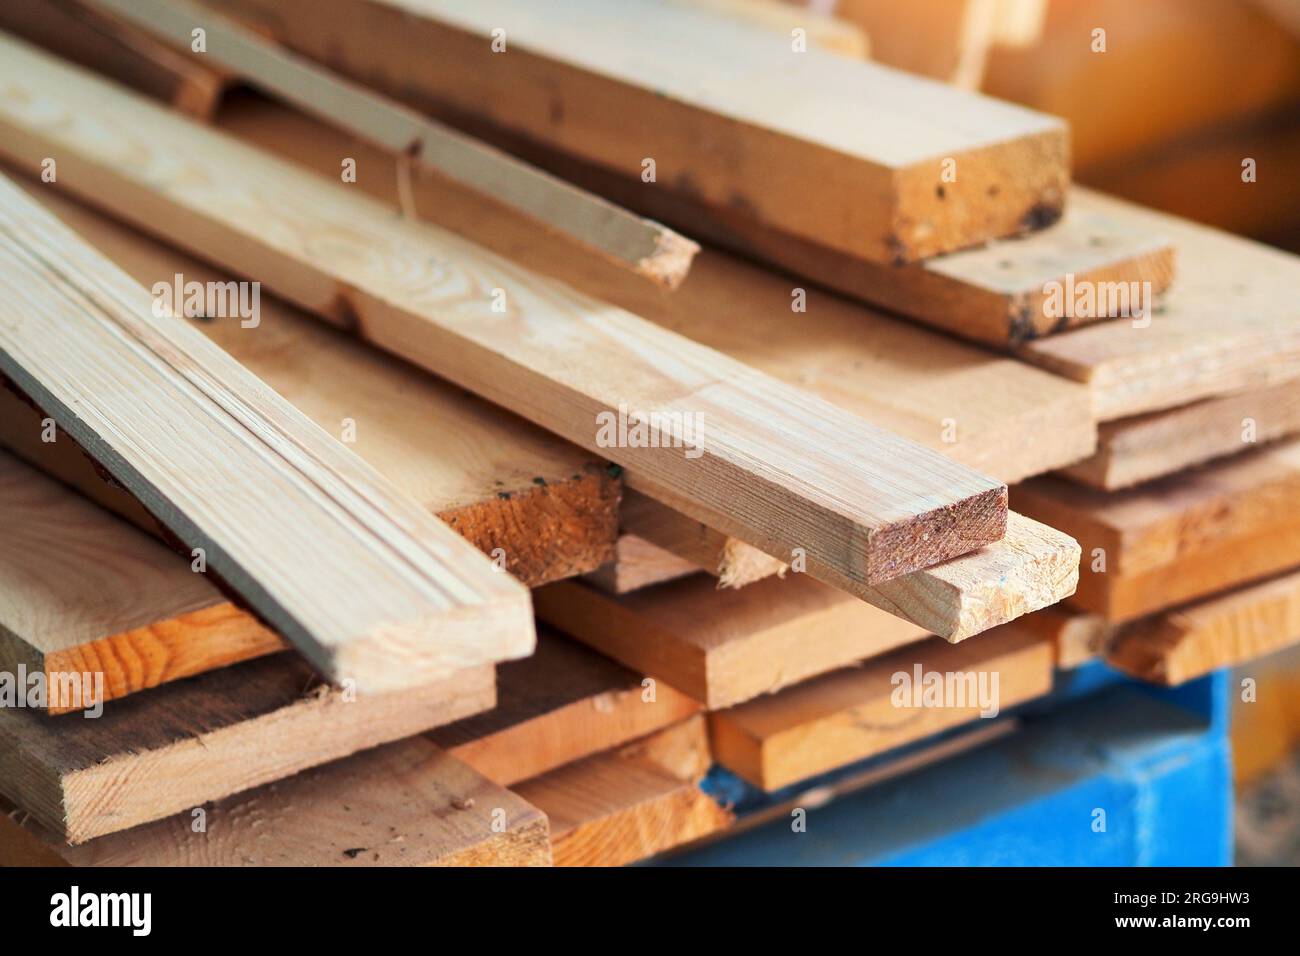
(671, 260)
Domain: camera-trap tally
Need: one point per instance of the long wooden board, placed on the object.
(724, 647)
(628, 805)
(406, 804)
(562, 704)
(390, 597)
(562, 359)
(637, 564)
(1180, 538)
(1230, 322)
(849, 715)
(537, 505)
(727, 111)
(189, 743)
(1137, 449)
(646, 248)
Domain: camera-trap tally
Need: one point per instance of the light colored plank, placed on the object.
(948, 40)
(224, 732)
(724, 647)
(852, 714)
(864, 504)
(82, 592)
(637, 564)
(728, 111)
(392, 597)
(827, 32)
(1180, 538)
(1191, 641)
(544, 508)
(1137, 449)
(404, 804)
(1229, 323)
(646, 248)
(623, 807)
(562, 704)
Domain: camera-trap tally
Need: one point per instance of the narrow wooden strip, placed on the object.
(637, 564)
(562, 704)
(644, 247)
(1179, 538)
(846, 716)
(538, 506)
(1230, 323)
(224, 732)
(758, 449)
(1137, 449)
(623, 807)
(726, 111)
(389, 596)
(724, 647)
(827, 32)
(404, 804)
(1189, 642)
(1077, 636)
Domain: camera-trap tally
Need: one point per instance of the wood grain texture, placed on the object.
(628, 805)
(1231, 322)
(201, 740)
(81, 591)
(728, 111)
(724, 647)
(1223, 631)
(849, 715)
(404, 804)
(553, 354)
(500, 482)
(637, 564)
(646, 248)
(562, 704)
(1137, 449)
(390, 597)
(993, 413)
(1179, 538)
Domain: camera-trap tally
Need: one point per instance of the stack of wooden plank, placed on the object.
(505, 520)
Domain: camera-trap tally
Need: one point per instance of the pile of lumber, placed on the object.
(537, 468)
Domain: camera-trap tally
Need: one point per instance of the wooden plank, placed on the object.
(727, 111)
(724, 647)
(852, 714)
(406, 803)
(540, 507)
(560, 705)
(81, 592)
(619, 808)
(1230, 323)
(646, 248)
(826, 32)
(107, 44)
(948, 40)
(637, 564)
(1179, 538)
(1191, 641)
(391, 598)
(569, 363)
(1137, 449)
(1077, 636)
(221, 733)
(993, 413)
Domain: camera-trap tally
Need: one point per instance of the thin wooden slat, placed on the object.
(1180, 538)
(637, 564)
(363, 581)
(647, 248)
(852, 714)
(406, 803)
(623, 807)
(727, 111)
(724, 647)
(554, 355)
(1137, 449)
(224, 732)
(560, 705)
(540, 507)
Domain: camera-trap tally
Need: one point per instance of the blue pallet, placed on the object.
(1157, 762)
